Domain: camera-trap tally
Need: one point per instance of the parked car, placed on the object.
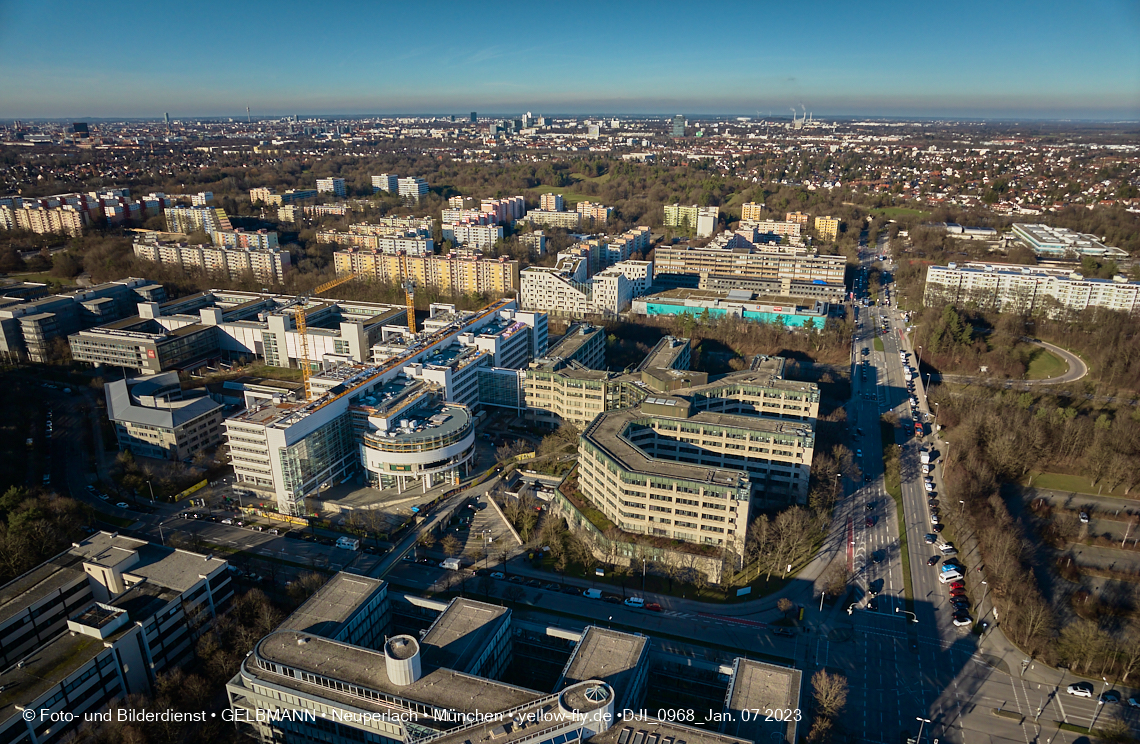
(962, 621)
(653, 607)
(1110, 696)
(123, 505)
(498, 575)
(932, 560)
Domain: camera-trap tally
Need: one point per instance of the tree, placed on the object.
(514, 593)
(830, 692)
(450, 545)
(426, 540)
(785, 605)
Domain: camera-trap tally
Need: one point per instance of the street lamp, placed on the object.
(151, 491)
(913, 617)
(1099, 703)
(922, 722)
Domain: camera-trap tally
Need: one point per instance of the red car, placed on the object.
(870, 521)
(653, 606)
(957, 585)
(957, 592)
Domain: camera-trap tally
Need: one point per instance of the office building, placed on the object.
(678, 128)
(220, 324)
(473, 117)
(98, 623)
(459, 272)
(545, 218)
(550, 202)
(334, 186)
(599, 213)
(1063, 243)
(186, 220)
(702, 220)
(795, 273)
(582, 344)
(471, 235)
(735, 303)
(752, 212)
(388, 182)
(1029, 290)
(236, 254)
(154, 417)
(32, 329)
(271, 198)
(412, 189)
(827, 228)
(410, 242)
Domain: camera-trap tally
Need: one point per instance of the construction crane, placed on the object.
(409, 292)
(303, 330)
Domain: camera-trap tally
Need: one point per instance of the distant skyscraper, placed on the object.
(473, 117)
(678, 126)
(166, 118)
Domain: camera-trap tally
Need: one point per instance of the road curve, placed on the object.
(1077, 370)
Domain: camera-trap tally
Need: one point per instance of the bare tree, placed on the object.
(450, 545)
(830, 691)
(785, 605)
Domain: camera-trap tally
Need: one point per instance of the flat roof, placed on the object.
(168, 567)
(759, 686)
(323, 613)
(576, 337)
(46, 578)
(363, 667)
(45, 667)
(608, 655)
(664, 353)
(461, 633)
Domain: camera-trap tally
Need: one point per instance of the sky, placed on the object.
(1046, 59)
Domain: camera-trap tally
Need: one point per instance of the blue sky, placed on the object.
(1002, 58)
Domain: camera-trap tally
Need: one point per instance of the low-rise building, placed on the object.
(154, 417)
(97, 623)
(1063, 243)
(736, 303)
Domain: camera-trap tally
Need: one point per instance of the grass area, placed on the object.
(879, 344)
(596, 179)
(1045, 364)
(893, 484)
(893, 213)
(1073, 483)
(42, 277)
(274, 373)
(568, 193)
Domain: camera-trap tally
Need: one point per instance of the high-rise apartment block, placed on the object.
(236, 254)
(411, 188)
(703, 220)
(566, 289)
(70, 213)
(389, 182)
(1029, 290)
(186, 220)
(773, 227)
(471, 235)
(459, 272)
(505, 210)
(333, 186)
(546, 218)
(752, 212)
(827, 227)
(550, 202)
(271, 198)
(410, 242)
(201, 199)
(599, 213)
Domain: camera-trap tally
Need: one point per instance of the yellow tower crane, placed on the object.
(303, 330)
(409, 292)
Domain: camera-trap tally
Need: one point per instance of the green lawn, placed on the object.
(1073, 483)
(567, 192)
(1045, 364)
(893, 213)
(894, 489)
(878, 344)
(42, 277)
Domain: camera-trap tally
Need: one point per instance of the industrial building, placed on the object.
(29, 329)
(97, 623)
(733, 303)
(1027, 289)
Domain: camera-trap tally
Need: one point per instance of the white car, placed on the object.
(929, 487)
(962, 622)
(934, 519)
(123, 505)
(1080, 689)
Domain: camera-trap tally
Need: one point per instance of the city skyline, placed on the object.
(1014, 61)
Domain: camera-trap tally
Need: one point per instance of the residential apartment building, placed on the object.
(333, 186)
(534, 241)
(798, 217)
(30, 329)
(599, 213)
(772, 227)
(388, 182)
(551, 202)
(778, 274)
(411, 188)
(154, 417)
(827, 228)
(1063, 243)
(459, 272)
(98, 623)
(752, 212)
(62, 219)
(245, 254)
(504, 211)
(549, 218)
(186, 220)
(202, 198)
(702, 220)
(412, 242)
(472, 236)
(603, 252)
(70, 213)
(1031, 290)
(271, 198)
